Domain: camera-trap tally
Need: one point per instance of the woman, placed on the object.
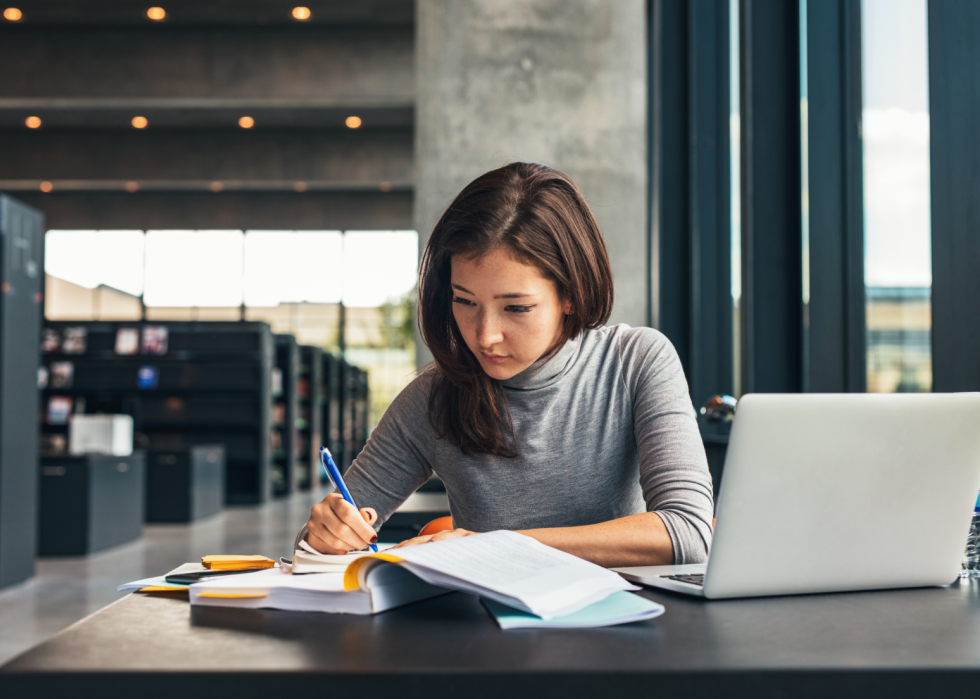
(536, 417)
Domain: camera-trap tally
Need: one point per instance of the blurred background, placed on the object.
(212, 213)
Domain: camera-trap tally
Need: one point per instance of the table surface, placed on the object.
(848, 644)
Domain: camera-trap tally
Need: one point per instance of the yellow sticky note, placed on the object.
(236, 562)
(243, 595)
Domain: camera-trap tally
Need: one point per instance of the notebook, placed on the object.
(503, 566)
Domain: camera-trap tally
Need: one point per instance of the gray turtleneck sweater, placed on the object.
(605, 429)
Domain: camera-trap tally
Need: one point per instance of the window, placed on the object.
(193, 269)
(898, 273)
(293, 280)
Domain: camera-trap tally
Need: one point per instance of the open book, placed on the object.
(509, 568)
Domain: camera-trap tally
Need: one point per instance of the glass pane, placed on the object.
(194, 268)
(292, 267)
(895, 129)
(379, 266)
(93, 275)
(735, 177)
(96, 258)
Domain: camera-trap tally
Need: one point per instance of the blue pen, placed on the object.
(333, 473)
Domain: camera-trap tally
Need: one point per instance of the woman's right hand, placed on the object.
(336, 526)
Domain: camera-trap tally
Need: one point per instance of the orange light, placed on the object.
(216, 186)
(300, 186)
(353, 122)
(139, 122)
(46, 186)
(302, 13)
(12, 14)
(385, 186)
(156, 13)
(246, 122)
(33, 122)
(132, 186)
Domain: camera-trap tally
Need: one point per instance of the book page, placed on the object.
(508, 566)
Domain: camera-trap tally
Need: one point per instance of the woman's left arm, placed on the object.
(636, 540)
(674, 476)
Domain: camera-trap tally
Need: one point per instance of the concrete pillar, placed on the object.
(559, 82)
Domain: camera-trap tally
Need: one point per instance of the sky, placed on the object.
(895, 132)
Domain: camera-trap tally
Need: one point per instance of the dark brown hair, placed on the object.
(540, 217)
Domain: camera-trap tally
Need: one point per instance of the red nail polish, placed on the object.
(374, 539)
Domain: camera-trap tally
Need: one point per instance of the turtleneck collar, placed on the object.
(546, 372)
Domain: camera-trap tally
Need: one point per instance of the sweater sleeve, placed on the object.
(674, 472)
(394, 462)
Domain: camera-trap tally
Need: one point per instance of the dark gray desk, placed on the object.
(903, 643)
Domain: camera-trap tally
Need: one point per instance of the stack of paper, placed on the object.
(323, 592)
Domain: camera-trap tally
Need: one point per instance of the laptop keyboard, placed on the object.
(693, 579)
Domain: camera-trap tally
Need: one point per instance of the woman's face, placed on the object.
(508, 312)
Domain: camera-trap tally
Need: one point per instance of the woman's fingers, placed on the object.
(323, 545)
(350, 525)
(338, 527)
(440, 536)
(453, 534)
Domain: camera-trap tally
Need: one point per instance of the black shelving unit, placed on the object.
(345, 409)
(362, 409)
(284, 433)
(332, 400)
(354, 411)
(309, 425)
(185, 484)
(205, 383)
(21, 298)
(90, 503)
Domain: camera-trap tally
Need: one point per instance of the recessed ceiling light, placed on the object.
(12, 14)
(157, 14)
(246, 122)
(46, 186)
(353, 122)
(139, 122)
(302, 13)
(33, 122)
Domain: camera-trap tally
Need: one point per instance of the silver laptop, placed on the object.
(833, 492)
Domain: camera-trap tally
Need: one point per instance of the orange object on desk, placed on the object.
(236, 562)
(440, 524)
